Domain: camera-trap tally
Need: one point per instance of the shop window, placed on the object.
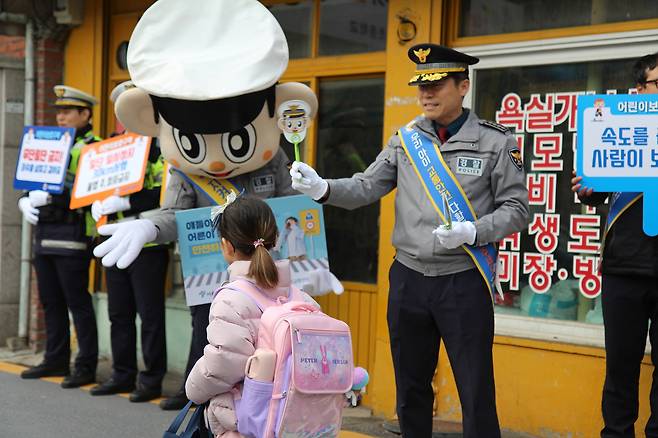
(296, 21)
(349, 138)
(550, 269)
(352, 26)
(491, 17)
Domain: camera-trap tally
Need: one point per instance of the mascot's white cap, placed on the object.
(206, 49)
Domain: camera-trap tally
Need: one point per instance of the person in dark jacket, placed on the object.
(629, 293)
(62, 253)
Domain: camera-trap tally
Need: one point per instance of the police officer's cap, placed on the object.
(435, 62)
(208, 67)
(68, 97)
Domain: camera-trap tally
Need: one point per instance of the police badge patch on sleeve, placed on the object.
(515, 156)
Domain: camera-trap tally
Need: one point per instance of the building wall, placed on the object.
(12, 80)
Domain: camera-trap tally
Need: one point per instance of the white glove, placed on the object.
(306, 180)
(30, 213)
(39, 198)
(109, 205)
(126, 242)
(459, 234)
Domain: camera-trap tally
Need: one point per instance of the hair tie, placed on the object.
(259, 242)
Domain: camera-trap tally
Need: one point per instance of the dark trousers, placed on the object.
(457, 309)
(200, 315)
(63, 286)
(630, 310)
(139, 289)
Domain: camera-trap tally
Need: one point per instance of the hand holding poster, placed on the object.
(111, 167)
(43, 158)
(618, 148)
(301, 240)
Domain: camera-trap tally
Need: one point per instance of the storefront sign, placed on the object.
(618, 148)
(301, 240)
(546, 126)
(114, 166)
(43, 158)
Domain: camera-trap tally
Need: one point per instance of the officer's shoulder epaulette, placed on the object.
(494, 125)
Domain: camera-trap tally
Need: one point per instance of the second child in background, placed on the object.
(248, 231)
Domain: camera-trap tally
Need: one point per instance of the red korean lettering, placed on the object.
(511, 242)
(540, 268)
(539, 115)
(541, 190)
(567, 103)
(585, 232)
(585, 270)
(509, 269)
(546, 229)
(510, 113)
(548, 150)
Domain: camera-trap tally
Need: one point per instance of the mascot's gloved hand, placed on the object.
(126, 241)
(30, 213)
(306, 180)
(39, 198)
(109, 205)
(459, 234)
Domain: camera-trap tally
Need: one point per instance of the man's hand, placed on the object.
(109, 205)
(126, 241)
(39, 198)
(30, 213)
(306, 180)
(577, 187)
(459, 234)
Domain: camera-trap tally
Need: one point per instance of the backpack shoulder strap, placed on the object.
(249, 289)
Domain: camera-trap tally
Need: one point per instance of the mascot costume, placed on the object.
(206, 84)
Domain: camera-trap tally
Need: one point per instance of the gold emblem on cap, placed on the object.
(421, 54)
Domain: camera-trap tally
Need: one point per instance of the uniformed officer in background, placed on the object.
(436, 293)
(137, 289)
(62, 252)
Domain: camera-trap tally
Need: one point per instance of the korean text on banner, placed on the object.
(114, 166)
(43, 158)
(618, 148)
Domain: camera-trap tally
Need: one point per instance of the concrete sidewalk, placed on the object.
(357, 422)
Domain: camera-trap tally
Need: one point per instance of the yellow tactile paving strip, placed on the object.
(16, 369)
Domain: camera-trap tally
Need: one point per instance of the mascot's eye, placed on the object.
(191, 146)
(299, 124)
(239, 145)
(289, 124)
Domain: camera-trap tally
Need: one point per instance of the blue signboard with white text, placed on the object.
(617, 148)
(301, 240)
(43, 158)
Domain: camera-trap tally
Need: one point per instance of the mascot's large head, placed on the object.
(205, 75)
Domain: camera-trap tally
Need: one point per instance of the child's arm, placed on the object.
(230, 343)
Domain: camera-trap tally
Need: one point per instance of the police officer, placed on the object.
(436, 293)
(137, 289)
(62, 252)
(629, 295)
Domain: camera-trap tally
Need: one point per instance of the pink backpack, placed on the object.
(313, 371)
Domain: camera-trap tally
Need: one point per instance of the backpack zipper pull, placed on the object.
(299, 336)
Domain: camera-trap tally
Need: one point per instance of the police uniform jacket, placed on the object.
(627, 249)
(269, 181)
(61, 231)
(497, 192)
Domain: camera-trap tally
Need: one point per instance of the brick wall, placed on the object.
(12, 46)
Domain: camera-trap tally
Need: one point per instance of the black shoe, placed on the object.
(80, 377)
(45, 370)
(174, 403)
(144, 394)
(110, 387)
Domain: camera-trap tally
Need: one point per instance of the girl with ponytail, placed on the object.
(247, 229)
